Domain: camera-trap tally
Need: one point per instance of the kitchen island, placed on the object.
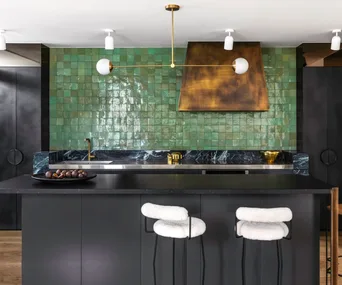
(93, 233)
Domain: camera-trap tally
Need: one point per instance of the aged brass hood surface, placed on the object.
(221, 89)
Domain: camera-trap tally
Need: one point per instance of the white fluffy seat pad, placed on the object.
(266, 215)
(179, 229)
(170, 213)
(262, 231)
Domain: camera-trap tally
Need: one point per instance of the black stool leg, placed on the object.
(154, 260)
(243, 261)
(173, 262)
(280, 262)
(185, 262)
(203, 261)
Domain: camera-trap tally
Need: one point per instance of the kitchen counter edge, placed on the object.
(216, 184)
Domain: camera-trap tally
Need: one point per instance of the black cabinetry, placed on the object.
(101, 239)
(52, 240)
(110, 240)
(20, 128)
(321, 125)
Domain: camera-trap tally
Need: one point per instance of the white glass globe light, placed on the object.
(228, 43)
(240, 65)
(336, 43)
(103, 66)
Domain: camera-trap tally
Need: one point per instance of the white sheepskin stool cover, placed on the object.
(179, 229)
(270, 215)
(169, 213)
(262, 231)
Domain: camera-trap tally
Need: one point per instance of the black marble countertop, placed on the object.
(156, 160)
(173, 184)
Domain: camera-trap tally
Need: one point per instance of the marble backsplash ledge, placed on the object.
(300, 161)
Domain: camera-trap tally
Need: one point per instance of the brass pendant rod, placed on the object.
(172, 40)
(139, 66)
(204, 65)
(172, 8)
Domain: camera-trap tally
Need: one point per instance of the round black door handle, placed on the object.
(328, 157)
(15, 156)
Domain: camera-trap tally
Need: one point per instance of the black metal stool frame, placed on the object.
(174, 255)
(279, 253)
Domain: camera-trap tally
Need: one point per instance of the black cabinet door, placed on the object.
(111, 240)
(28, 127)
(8, 217)
(51, 240)
(335, 126)
(316, 87)
(28, 116)
(322, 127)
(164, 250)
(7, 121)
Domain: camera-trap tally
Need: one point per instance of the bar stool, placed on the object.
(263, 225)
(174, 222)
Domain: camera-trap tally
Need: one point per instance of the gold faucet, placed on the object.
(174, 158)
(90, 156)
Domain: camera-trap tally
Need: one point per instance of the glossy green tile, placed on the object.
(137, 108)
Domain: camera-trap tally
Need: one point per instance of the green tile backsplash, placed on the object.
(137, 108)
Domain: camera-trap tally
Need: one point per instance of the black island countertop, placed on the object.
(173, 184)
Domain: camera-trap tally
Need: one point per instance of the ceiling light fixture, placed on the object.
(109, 40)
(229, 40)
(2, 40)
(336, 40)
(240, 65)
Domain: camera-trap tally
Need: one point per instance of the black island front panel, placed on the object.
(87, 239)
(96, 235)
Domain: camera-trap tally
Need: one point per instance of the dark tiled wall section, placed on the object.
(137, 108)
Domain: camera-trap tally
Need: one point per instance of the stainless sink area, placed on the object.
(87, 162)
(136, 165)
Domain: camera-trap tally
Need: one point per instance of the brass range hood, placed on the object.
(239, 65)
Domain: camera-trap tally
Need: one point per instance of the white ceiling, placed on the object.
(145, 23)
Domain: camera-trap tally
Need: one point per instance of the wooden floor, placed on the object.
(10, 258)
(322, 260)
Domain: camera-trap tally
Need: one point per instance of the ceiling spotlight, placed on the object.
(336, 40)
(109, 40)
(2, 40)
(229, 40)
